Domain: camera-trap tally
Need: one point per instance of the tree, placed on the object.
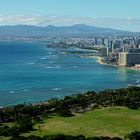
(133, 136)
(25, 123)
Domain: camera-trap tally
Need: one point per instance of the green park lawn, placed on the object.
(116, 121)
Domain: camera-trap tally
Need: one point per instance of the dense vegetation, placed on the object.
(23, 115)
(65, 137)
(133, 136)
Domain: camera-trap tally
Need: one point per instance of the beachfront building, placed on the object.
(104, 51)
(122, 59)
(128, 59)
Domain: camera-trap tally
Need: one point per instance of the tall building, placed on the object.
(96, 41)
(103, 42)
(122, 59)
(128, 59)
(104, 51)
(106, 42)
(133, 59)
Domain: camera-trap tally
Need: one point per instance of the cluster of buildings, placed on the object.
(116, 50)
(123, 52)
(129, 58)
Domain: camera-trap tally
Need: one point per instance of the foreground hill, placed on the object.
(107, 122)
(89, 114)
(112, 122)
(78, 30)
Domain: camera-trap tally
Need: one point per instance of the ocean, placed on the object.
(31, 72)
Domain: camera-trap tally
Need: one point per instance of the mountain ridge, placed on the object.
(75, 30)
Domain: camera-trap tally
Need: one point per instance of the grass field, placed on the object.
(116, 121)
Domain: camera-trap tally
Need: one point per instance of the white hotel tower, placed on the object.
(130, 58)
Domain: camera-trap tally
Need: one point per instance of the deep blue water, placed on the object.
(31, 72)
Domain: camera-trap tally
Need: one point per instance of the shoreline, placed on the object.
(99, 58)
(103, 63)
(128, 68)
(46, 102)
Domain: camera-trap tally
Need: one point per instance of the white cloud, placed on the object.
(127, 23)
(129, 18)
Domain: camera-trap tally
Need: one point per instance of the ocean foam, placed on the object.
(32, 63)
(25, 90)
(57, 89)
(50, 52)
(55, 67)
(43, 58)
(11, 91)
(75, 66)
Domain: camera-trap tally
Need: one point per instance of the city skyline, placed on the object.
(115, 14)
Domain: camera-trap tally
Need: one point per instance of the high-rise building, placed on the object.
(128, 59)
(103, 42)
(122, 60)
(96, 41)
(104, 51)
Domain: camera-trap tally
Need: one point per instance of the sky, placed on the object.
(118, 14)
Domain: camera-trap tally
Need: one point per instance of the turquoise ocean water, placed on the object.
(31, 72)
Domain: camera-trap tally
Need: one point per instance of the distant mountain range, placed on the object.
(77, 30)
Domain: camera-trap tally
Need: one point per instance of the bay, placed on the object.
(32, 72)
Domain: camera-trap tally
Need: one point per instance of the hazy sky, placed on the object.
(120, 14)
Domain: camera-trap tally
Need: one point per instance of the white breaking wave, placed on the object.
(49, 57)
(57, 89)
(50, 52)
(43, 58)
(75, 66)
(25, 90)
(11, 91)
(54, 57)
(55, 67)
(32, 63)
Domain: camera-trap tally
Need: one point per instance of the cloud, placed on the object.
(127, 23)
